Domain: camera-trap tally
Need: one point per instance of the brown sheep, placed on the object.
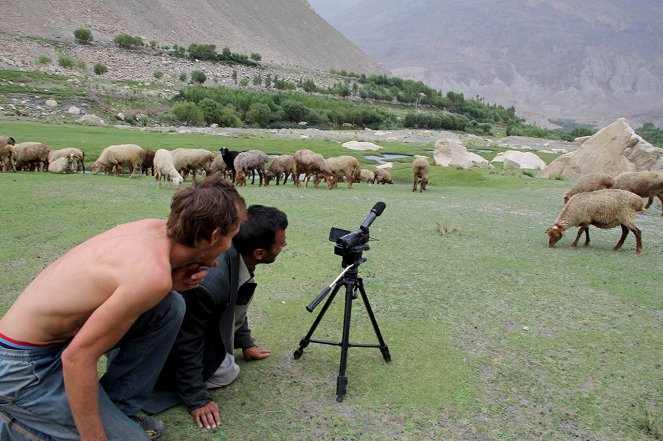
(311, 164)
(343, 166)
(420, 169)
(645, 184)
(284, 164)
(382, 176)
(31, 156)
(590, 182)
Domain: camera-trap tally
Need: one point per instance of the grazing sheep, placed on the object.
(31, 156)
(282, 165)
(147, 165)
(218, 166)
(420, 169)
(645, 184)
(367, 176)
(63, 153)
(229, 158)
(590, 182)
(344, 166)
(382, 176)
(164, 168)
(64, 164)
(240, 178)
(116, 157)
(311, 164)
(192, 160)
(602, 208)
(7, 153)
(252, 160)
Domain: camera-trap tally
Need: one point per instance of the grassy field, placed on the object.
(493, 335)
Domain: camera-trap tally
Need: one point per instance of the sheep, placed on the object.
(590, 182)
(252, 160)
(311, 164)
(164, 168)
(602, 208)
(382, 176)
(7, 153)
(147, 164)
(343, 166)
(218, 166)
(420, 169)
(116, 157)
(229, 158)
(186, 160)
(63, 153)
(240, 178)
(367, 176)
(284, 164)
(64, 164)
(646, 184)
(31, 156)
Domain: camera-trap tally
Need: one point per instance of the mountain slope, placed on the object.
(282, 31)
(591, 61)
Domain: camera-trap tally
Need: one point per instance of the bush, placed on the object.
(128, 41)
(198, 76)
(202, 51)
(157, 74)
(189, 113)
(153, 44)
(183, 77)
(43, 59)
(83, 35)
(255, 56)
(259, 114)
(100, 68)
(66, 61)
(244, 82)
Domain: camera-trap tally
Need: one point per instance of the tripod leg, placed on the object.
(342, 380)
(307, 339)
(383, 346)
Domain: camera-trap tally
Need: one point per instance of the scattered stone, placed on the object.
(74, 110)
(51, 103)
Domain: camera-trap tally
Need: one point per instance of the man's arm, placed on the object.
(243, 339)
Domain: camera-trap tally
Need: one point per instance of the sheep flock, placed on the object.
(596, 199)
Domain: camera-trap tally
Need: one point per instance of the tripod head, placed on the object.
(351, 244)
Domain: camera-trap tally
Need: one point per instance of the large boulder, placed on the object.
(452, 153)
(516, 159)
(613, 149)
(361, 145)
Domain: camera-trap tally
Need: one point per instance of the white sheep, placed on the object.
(311, 164)
(343, 166)
(31, 156)
(188, 160)
(7, 153)
(252, 160)
(602, 208)
(646, 184)
(590, 182)
(382, 176)
(367, 176)
(64, 164)
(62, 153)
(282, 165)
(218, 166)
(164, 168)
(420, 169)
(116, 157)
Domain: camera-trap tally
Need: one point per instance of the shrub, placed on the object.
(257, 80)
(100, 68)
(198, 76)
(244, 82)
(183, 77)
(43, 59)
(153, 44)
(83, 35)
(202, 51)
(189, 113)
(65, 61)
(80, 64)
(157, 74)
(128, 41)
(255, 56)
(259, 114)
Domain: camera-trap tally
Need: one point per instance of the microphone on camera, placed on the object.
(375, 212)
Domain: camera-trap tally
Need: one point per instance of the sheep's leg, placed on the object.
(621, 239)
(638, 240)
(659, 196)
(414, 184)
(649, 202)
(585, 229)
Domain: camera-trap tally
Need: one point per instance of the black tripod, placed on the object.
(348, 278)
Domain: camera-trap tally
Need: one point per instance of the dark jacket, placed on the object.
(206, 333)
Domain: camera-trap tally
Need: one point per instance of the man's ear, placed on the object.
(258, 254)
(216, 234)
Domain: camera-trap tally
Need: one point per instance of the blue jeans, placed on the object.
(33, 401)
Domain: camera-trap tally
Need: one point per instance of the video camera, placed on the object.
(355, 241)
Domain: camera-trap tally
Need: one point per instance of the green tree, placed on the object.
(83, 35)
(202, 51)
(294, 110)
(188, 113)
(255, 56)
(259, 114)
(198, 76)
(128, 41)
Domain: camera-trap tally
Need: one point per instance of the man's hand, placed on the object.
(256, 353)
(207, 416)
(188, 277)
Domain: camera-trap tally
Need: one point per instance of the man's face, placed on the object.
(270, 254)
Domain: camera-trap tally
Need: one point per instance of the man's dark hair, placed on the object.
(198, 210)
(259, 229)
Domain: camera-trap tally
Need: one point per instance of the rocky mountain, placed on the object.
(282, 31)
(591, 61)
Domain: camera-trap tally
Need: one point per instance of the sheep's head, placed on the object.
(331, 181)
(11, 141)
(269, 175)
(240, 178)
(424, 182)
(566, 198)
(555, 233)
(95, 167)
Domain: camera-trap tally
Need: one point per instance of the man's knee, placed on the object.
(175, 306)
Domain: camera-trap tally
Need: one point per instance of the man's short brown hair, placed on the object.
(198, 210)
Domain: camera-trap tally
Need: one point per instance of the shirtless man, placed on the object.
(112, 292)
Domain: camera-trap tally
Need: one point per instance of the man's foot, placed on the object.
(153, 427)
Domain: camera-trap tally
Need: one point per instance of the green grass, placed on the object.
(493, 335)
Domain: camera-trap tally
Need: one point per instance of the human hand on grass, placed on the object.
(256, 353)
(207, 416)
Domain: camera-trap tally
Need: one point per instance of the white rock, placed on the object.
(74, 110)
(51, 103)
